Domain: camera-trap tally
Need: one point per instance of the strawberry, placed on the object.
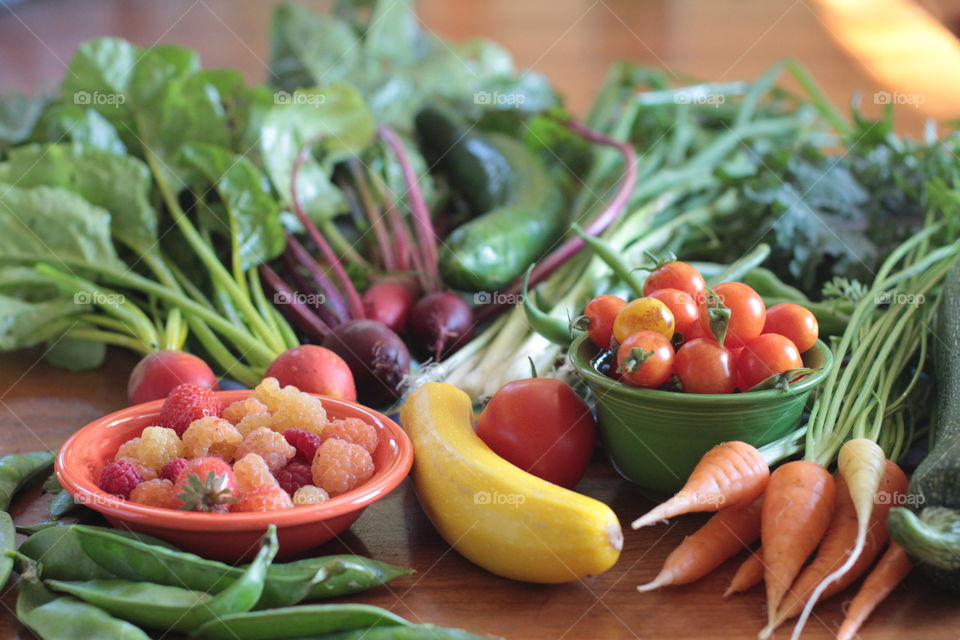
(265, 498)
(206, 484)
(186, 403)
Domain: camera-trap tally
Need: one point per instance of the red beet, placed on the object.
(439, 324)
(376, 355)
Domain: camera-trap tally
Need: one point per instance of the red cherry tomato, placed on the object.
(676, 275)
(645, 359)
(542, 426)
(794, 322)
(685, 312)
(747, 313)
(705, 367)
(600, 313)
(765, 356)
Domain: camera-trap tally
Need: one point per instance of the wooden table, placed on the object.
(573, 42)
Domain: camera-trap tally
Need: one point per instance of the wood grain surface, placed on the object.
(573, 42)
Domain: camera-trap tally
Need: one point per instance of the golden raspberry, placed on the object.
(290, 408)
(339, 466)
(158, 446)
(253, 421)
(309, 494)
(252, 472)
(156, 493)
(129, 449)
(237, 411)
(269, 445)
(353, 430)
(211, 436)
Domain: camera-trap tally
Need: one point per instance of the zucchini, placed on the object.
(519, 210)
(932, 536)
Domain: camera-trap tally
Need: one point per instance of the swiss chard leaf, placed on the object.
(71, 122)
(25, 324)
(97, 76)
(309, 48)
(18, 115)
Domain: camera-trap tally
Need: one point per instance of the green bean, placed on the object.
(737, 270)
(8, 542)
(416, 632)
(172, 608)
(55, 617)
(553, 329)
(766, 283)
(63, 558)
(17, 469)
(610, 256)
(298, 622)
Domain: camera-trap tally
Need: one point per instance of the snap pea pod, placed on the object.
(172, 608)
(63, 557)
(53, 616)
(415, 632)
(298, 622)
(30, 529)
(612, 259)
(8, 542)
(552, 328)
(17, 469)
(62, 504)
(286, 584)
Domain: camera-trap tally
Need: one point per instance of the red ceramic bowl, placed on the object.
(227, 536)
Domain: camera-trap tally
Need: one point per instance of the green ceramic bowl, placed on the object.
(654, 438)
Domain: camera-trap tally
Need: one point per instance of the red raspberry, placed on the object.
(206, 484)
(187, 403)
(305, 442)
(265, 498)
(352, 430)
(172, 469)
(293, 476)
(120, 478)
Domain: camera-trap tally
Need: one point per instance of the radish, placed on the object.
(389, 303)
(439, 324)
(315, 370)
(158, 373)
(376, 355)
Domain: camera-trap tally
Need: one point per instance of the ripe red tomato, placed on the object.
(765, 356)
(685, 312)
(643, 314)
(705, 367)
(794, 322)
(600, 313)
(676, 275)
(747, 313)
(645, 359)
(542, 426)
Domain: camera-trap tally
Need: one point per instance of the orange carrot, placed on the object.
(730, 474)
(797, 508)
(724, 534)
(749, 575)
(840, 540)
(890, 571)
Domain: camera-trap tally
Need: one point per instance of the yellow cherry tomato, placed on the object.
(643, 314)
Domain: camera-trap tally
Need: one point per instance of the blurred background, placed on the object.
(902, 49)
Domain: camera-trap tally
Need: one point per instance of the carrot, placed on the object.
(890, 571)
(749, 575)
(730, 474)
(724, 534)
(840, 540)
(797, 508)
(862, 464)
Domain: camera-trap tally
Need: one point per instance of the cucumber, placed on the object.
(932, 535)
(520, 210)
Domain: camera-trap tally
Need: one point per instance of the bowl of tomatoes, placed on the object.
(684, 367)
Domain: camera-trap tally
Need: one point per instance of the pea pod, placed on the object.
(609, 255)
(286, 584)
(53, 616)
(298, 622)
(553, 329)
(17, 469)
(8, 542)
(415, 632)
(62, 504)
(172, 608)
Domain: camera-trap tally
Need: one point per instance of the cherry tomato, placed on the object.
(600, 313)
(705, 367)
(747, 313)
(676, 275)
(643, 314)
(542, 426)
(645, 359)
(765, 356)
(794, 322)
(685, 312)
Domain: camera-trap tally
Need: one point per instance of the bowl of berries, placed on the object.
(210, 470)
